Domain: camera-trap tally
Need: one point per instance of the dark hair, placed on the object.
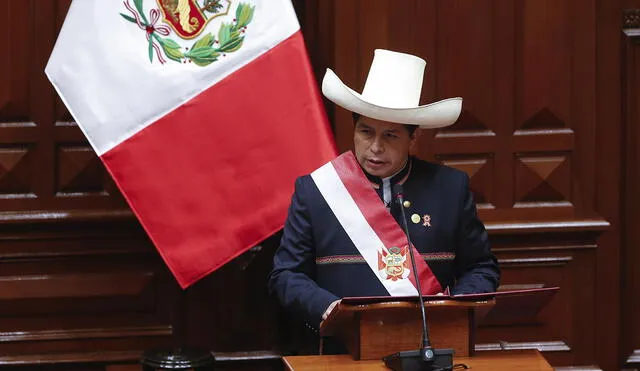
(410, 128)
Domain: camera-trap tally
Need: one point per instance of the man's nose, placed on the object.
(377, 146)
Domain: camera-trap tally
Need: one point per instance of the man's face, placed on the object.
(381, 147)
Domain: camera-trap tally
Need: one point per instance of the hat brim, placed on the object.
(431, 116)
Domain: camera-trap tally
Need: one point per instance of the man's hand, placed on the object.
(329, 309)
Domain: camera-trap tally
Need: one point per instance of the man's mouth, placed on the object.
(375, 163)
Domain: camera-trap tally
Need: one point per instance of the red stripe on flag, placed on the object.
(215, 176)
(381, 221)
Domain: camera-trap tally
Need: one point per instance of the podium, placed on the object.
(374, 327)
(374, 330)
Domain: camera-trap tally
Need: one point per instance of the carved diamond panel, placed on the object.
(480, 172)
(15, 171)
(545, 68)
(468, 72)
(467, 122)
(61, 112)
(544, 119)
(543, 178)
(79, 171)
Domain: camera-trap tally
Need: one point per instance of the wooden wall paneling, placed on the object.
(372, 26)
(516, 136)
(402, 27)
(466, 56)
(546, 116)
(79, 290)
(346, 56)
(504, 108)
(581, 17)
(46, 162)
(45, 20)
(631, 251)
(19, 115)
(608, 182)
(549, 254)
(231, 310)
(424, 20)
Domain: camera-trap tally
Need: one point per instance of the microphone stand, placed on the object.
(426, 358)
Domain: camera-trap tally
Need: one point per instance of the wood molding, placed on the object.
(60, 253)
(579, 225)
(634, 358)
(58, 216)
(550, 261)
(83, 334)
(71, 357)
(541, 346)
(585, 246)
(257, 355)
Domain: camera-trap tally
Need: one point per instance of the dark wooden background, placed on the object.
(549, 135)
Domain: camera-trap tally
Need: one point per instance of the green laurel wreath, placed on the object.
(202, 52)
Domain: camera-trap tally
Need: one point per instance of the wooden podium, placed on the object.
(373, 330)
(374, 327)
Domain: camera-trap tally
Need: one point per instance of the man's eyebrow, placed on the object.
(361, 123)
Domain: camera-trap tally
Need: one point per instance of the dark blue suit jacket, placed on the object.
(316, 262)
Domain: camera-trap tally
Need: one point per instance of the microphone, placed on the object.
(426, 358)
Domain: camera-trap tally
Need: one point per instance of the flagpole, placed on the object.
(179, 354)
(179, 318)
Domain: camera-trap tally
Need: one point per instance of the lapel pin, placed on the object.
(426, 220)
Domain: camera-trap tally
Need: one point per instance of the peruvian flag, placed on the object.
(203, 111)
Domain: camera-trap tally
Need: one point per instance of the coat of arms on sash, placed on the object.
(393, 264)
(188, 19)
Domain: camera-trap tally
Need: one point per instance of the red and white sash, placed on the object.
(371, 227)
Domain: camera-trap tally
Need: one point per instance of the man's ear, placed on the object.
(414, 137)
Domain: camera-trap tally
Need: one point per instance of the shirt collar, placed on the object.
(393, 179)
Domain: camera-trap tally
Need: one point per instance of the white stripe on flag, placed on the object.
(100, 65)
(356, 226)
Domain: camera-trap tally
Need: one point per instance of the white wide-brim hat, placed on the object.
(392, 93)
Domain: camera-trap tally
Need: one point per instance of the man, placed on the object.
(343, 234)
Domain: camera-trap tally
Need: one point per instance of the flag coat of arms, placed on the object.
(203, 111)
